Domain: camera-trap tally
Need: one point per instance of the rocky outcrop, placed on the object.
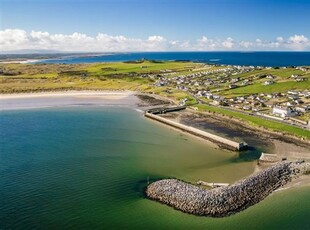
(228, 200)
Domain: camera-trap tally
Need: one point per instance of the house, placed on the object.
(246, 107)
(245, 82)
(232, 86)
(303, 109)
(234, 80)
(294, 76)
(300, 79)
(215, 102)
(268, 82)
(270, 77)
(283, 111)
(291, 92)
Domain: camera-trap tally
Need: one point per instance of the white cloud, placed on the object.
(246, 44)
(280, 39)
(14, 39)
(156, 38)
(298, 42)
(298, 39)
(228, 43)
(11, 38)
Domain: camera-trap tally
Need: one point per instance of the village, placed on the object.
(222, 87)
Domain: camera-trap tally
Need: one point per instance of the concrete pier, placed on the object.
(221, 141)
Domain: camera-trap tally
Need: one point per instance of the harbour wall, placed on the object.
(221, 141)
(228, 200)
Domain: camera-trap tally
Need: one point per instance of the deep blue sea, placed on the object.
(230, 58)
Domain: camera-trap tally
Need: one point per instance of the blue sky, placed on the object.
(173, 20)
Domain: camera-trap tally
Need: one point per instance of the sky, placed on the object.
(155, 25)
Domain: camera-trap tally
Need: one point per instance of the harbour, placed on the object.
(221, 141)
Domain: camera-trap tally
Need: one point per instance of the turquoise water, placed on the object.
(230, 58)
(87, 167)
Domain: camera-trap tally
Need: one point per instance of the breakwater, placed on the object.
(221, 141)
(228, 200)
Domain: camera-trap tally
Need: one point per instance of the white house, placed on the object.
(268, 82)
(283, 111)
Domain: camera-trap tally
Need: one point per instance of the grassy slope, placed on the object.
(284, 82)
(277, 87)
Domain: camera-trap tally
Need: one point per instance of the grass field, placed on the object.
(281, 73)
(103, 76)
(275, 88)
(145, 67)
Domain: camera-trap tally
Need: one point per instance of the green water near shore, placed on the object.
(86, 167)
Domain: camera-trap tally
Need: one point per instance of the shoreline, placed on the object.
(21, 101)
(67, 93)
(48, 99)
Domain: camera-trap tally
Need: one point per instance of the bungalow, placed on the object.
(234, 80)
(300, 79)
(268, 82)
(294, 76)
(292, 92)
(283, 111)
(270, 77)
(303, 109)
(232, 86)
(246, 107)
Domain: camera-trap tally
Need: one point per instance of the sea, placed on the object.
(86, 167)
(272, 59)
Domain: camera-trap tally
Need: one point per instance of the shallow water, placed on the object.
(87, 167)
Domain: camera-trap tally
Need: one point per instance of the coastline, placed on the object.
(67, 98)
(105, 93)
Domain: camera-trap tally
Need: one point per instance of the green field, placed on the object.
(103, 76)
(275, 88)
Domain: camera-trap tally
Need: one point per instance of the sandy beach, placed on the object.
(87, 93)
(67, 98)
